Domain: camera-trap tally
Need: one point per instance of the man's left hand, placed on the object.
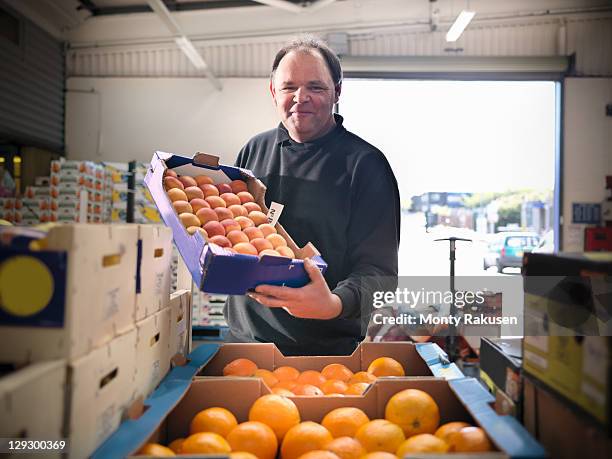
(313, 301)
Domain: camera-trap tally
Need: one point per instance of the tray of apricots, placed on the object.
(225, 233)
(401, 418)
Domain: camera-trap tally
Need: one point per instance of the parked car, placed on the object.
(507, 249)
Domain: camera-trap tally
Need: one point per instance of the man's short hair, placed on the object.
(308, 43)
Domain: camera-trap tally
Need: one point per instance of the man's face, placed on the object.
(304, 94)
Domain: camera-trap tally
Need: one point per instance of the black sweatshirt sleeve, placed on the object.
(373, 235)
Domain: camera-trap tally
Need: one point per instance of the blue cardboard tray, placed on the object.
(212, 268)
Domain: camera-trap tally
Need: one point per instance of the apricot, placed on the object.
(251, 206)
(214, 228)
(285, 251)
(237, 236)
(259, 218)
(245, 248)
(188, 219)
(245, 222)
(230, 225)
(230, 199)
(238, 185)
(221, 241)
(253, 233)
(245, 197)
(197, 204)
(215, 201)
(276, 240)
(194, 192)
(209, 190)
(267, 229)
(187, 181)
(238, 210)
(182, 206)
(261, 244)
(197, 229)
(177, 194)
(206, 215)
(224, 188)
(203, 180)
(269, 252)
(172, 182)
(224, 214)
(170, 173)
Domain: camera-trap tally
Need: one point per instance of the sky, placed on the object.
(465, 136)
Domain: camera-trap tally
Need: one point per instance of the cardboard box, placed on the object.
(153, 277)
(213, 268)
(152, 352)
(101, 387)
(500, 370)
(32, 401)
(167, 418)
(85, 292)
(180, 323)
(425, 359)
(564, 432)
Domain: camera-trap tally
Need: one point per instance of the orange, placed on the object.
(379, 455)
(446, 429)
(205, 443)
(281, 391)
(240, 367)
(357, 388)
(255, 438)
(380, 435)
(334, 386)
(422, 443)
(267, 376)
(307, 389)
(289, 385)
(175, 445)
(362, 376)
(469, 439)
(386, 366)
(277, 412)
(155, 450)
(337, 371)
(311, 377)
(344, 422)
(346, 448)
(286, 373)
(242, 455)
(217, 420)
(414, 411)
(304, 437)
(319, 454)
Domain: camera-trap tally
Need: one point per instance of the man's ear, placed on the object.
(272, 91)
(338, 90)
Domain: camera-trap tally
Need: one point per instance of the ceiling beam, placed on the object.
(294, 7)
(183, 42)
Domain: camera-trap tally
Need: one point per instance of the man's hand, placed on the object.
(313, 301)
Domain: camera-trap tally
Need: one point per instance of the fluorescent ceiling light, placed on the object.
(459, 25)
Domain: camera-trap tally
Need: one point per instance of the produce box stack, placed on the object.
(567, 351)
(7, 209)
(208, 309)
(97, 326)
(118, 173)
(145, 210)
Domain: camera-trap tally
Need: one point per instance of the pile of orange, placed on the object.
(411, 425)
(333, 380)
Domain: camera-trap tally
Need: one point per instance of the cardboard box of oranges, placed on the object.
(221, 225)
(237, 417)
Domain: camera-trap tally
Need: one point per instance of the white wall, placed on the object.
(587, 150)
(127, 119)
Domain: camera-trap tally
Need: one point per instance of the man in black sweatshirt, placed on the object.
(339, 193)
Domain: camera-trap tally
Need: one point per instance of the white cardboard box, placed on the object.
(99, 297)
(180, 323)
(154, 269)
(32, 402)
(152, 352)
(101, 388)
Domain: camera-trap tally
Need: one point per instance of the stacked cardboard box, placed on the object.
(118, 173)
(145, 210)
(208, 309)
(102, 307)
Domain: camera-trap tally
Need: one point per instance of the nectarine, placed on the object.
(209, 190)
(170, 173)
(214, 228)
(177, 194)
(224, 213)
(285, 251)
(238, 210)
(251, 206)
(193, 192)
(223, 188)
(245, 197)
(261, 244)
(172, 182)
(238, 185)
(237, 236)
(259, 218)
(230, 199)
(277, 240)
(197, 204)
(197, 229)
(203, 180)
(267, 229)
(253, 233)
(206, 215)
(187, 181)
(245, 248)
(245, 222)
(188, 219)
(182, 206)
(274, 253)
(221, 241)
(230, 225)
(215, 201)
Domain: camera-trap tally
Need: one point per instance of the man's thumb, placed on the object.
(312, 270)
